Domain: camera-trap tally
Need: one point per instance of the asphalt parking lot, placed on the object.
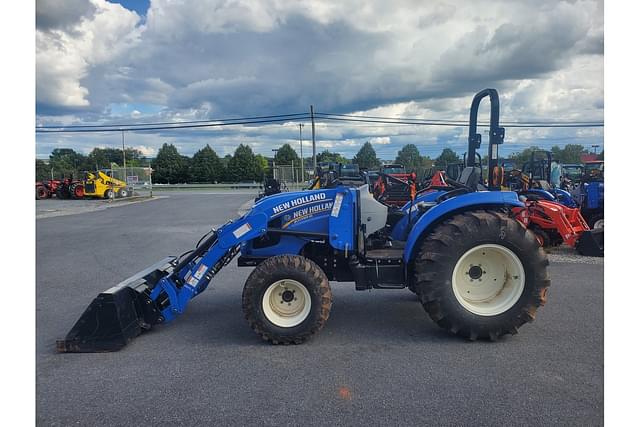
(379, 361)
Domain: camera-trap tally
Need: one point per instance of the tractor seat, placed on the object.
(470, 177)
(425, 206)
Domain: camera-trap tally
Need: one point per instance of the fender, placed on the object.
(399, 231)
(445, 209)
(564, 197)
(555, 195)
(542, 193)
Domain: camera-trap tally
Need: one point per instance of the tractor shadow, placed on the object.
(381, 317)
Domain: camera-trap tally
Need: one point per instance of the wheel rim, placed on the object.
(286, 303)
(599, 223)
(488, 279)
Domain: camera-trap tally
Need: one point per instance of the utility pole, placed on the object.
(595, 148)
(150, 180)
(124, 159)
(275, 151)
(301, 158)
(313, 138)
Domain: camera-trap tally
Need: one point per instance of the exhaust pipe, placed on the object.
(119, 314)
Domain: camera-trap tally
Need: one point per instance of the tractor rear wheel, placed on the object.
(287, 299)
(41, 192)
(541, 235)
(77, 191)
(61, 193)
(481, 274)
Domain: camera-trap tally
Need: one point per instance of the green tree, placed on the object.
(524, 156)
(263, 162)
(366, 157)
(410, 157)
(327, 156)
(601, 155)
(43, 171)
(225, 160)
(66, 162)
(183, 175)
(103, 157)
(571, 153)
(169, 166)
(285, 155)
(446, 157)
(244, 166)
(557, 153)
(205, 166)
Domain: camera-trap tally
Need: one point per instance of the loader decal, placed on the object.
(300, 201)
(242, 230)
(307, 212)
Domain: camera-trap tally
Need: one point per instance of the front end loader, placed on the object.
(476, 270)
(100, 185)
(550, 212)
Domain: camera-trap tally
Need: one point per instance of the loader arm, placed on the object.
(159, 293)
(192, 275)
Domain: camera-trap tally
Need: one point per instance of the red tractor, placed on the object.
(394, 191)
(395, 185)
(396, 171)
(46, 189)
(554, 223)
(404, 191)
(70, 188)
(67, 188)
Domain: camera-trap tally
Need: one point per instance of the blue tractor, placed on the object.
(477, 271)
(540, 183)
(590, 194)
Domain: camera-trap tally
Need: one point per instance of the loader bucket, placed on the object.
(117, 315)
(591, 243)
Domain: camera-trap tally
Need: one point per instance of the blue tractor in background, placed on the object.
(476, 270)
(541, 183)
(589, 194)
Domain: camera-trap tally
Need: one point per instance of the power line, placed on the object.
(465, 124)
(304, 115)
(300, 116)
(189, 126)
(533, 122)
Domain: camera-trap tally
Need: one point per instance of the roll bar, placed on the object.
(496, 133)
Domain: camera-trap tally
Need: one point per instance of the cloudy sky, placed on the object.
(102, 62)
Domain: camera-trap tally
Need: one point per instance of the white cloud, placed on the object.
(65, 55)
(213, 58)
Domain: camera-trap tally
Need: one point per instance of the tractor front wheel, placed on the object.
(481, 274)
(596, 221)
(286, 299)
(108, 194)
